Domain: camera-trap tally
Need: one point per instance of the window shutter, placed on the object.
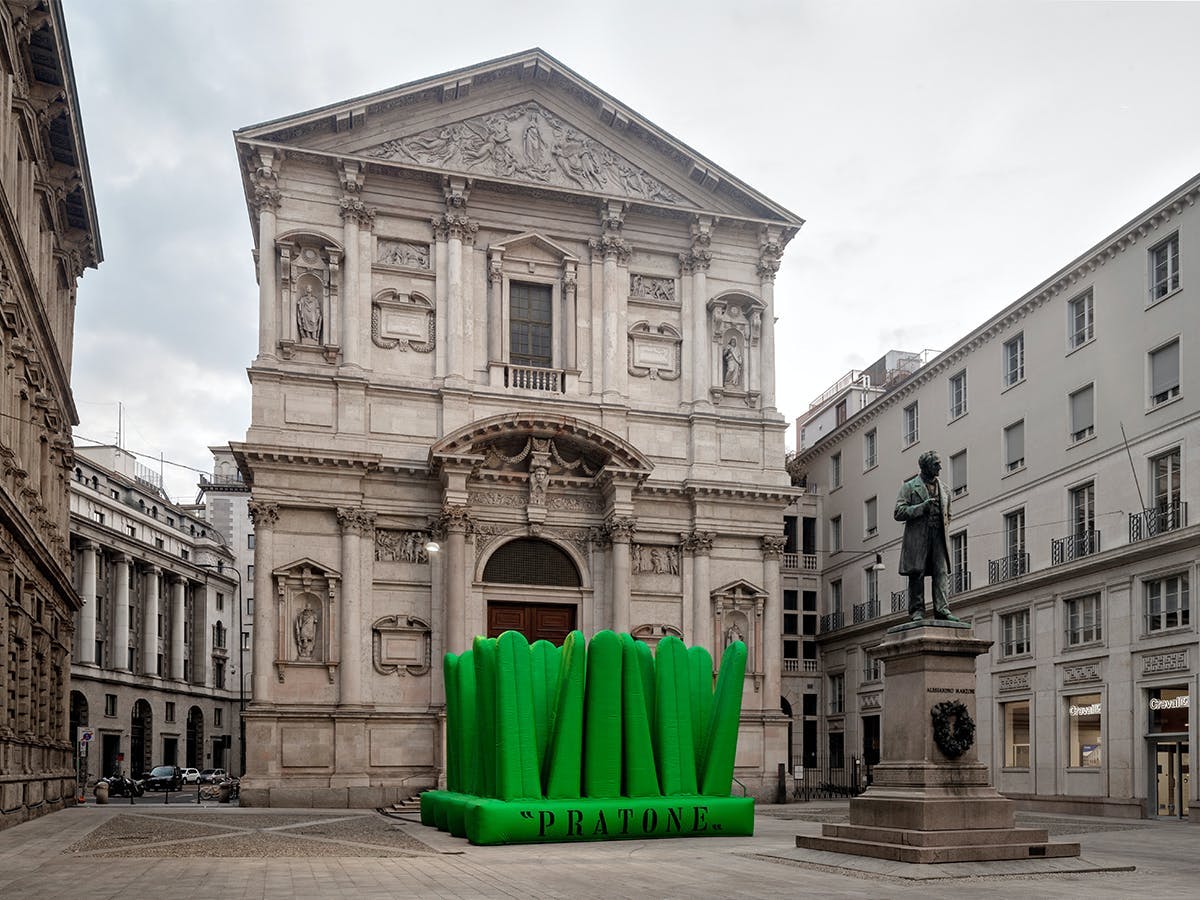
(1082, 410)
(958, 470)
(1016, 442)
(1164, 369)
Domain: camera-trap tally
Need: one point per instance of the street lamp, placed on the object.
(241, 673)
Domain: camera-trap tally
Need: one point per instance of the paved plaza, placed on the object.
(187, 851)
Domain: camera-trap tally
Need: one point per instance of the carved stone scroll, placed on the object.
(655, 352)
(403, 322)
(401, 645)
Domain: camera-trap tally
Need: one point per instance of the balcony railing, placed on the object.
(959, 582)
(900, 601)
(535, 378)
(1074, 546)
(831, 621)
(799, 562)
(865, 612)
(1152, 522)
(1007, 567)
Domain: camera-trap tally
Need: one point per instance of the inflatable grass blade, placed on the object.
(517, 775)
(564, 761)
(544, 656)
(468, 725)
(453, 718)
(641, 777)
(484, 651)
(645, 658)
(700, 680)
(602, 717)
(717, 777)
(674, 746)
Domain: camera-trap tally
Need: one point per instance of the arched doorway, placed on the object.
(79, 718)
(786, 708)
(141, 739)
(195, 738)
(547, 605)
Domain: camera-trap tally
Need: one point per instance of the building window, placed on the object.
(1083, 414)
(530, 324)
(958, 394)
(1164, 373)
(217, 717)
(250, 542)
(160, 624)
(1014, 360)
(1083, 714)
(1014, 534)
(872, 668)
(1079, 320)
(131, 531)
(871, 517)
(958, 473)
(169, 711)
(249, 606)
(1083, 510)
(250, 573)
(98, 516)
(791, 625)
(835, 597)
(960, 575)
(245, 640)
(110, 704)
(1164, 268)
(870, 450)
(1167, 603)
(219, 636)
(837, 693)
(220, 601)
(158, 666)
(839, 412)
(158, 542)
(183, 553)
(835, 534)
(912, 429)
(835, 470)
(1083, 620)
(1165, 477)
(219, 675)
(1016, 734)
(1014, 633)
(1014, 446)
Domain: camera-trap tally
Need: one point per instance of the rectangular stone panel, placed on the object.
(737, 447)
(410, 745)
(393, 417)
(308, 409)
(306, 746)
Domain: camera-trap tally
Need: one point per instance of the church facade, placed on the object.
(516, 370)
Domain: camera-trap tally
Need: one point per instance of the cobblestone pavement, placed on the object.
(102, 852)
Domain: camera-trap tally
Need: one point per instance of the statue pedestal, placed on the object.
(931, 800)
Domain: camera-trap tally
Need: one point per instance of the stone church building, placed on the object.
(503, 316)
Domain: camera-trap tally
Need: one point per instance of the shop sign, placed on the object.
(1182, 702)
(1092, 709)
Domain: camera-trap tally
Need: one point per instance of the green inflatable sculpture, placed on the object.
(589, 742)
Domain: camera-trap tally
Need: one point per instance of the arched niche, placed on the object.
(306, 594)
(735, 324)
(308, 294)
(738, 609)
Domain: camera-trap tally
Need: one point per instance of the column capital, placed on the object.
(266, 198)
(620, 529)
(122, 558)
(263, 513)
(454, 225)
(698, 542)
(176, 579)
(354, 210)
(90, 545)
(772, 545)
(611, 246)
(355, 520)
(456, 517)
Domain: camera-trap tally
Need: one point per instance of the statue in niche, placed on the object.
(308, 315)
(734, 634)
(731, 364)
(306, 633)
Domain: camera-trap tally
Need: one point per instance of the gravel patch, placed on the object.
(129, 831)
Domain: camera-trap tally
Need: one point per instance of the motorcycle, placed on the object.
(120, 786)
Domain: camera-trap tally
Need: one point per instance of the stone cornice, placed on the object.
(245, 454)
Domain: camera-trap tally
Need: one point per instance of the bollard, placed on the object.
(101, 791)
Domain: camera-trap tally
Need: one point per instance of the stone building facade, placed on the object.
(501, 310)
(1067, 425)
(48, 237)
(155, 672)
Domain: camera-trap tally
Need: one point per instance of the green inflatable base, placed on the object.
(482, 820)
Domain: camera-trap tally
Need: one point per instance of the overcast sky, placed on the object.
(947, 157)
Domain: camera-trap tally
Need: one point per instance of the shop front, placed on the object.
(1168, 752)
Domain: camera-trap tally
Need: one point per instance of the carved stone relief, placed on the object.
(1016, 681)
(527, 142)
(401, 645)
(648, 287)
(403, 322)
(401, 546)
(1165, 662)
(655, 352)
(404, 254)
(648, 559)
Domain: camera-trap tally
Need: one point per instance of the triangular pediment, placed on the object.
(526, 142)
(532, 246)
(524, 121)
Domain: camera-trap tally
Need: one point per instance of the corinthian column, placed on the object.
(772, 630)
(121, 614)
(701, 543)
(620, 531)
(455, 228)
(150, 622)
(355, 214)
(697, 261)
(266, 202)
(266, 614)
(614, 251)
(456, 521)
(768, 264)
(87, 615)
(178, 584)
(355, 524)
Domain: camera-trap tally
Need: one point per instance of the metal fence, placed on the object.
(829, 779)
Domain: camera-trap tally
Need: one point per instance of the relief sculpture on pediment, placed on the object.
(530, 143)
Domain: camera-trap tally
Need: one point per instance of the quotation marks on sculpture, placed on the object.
(602, 741)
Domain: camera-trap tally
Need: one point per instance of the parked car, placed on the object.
(211, 776)
(165, 778)
(191, 776)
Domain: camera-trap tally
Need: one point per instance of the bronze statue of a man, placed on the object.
(924, 507)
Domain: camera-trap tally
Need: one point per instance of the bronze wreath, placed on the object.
(952, 739)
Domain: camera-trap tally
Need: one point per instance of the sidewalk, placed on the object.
(187, 851)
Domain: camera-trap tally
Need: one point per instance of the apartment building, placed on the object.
(1067, 426)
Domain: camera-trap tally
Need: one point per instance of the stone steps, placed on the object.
(944, 853)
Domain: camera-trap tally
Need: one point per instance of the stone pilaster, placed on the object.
(772, 626)
(178, 589)
(614, 252)
(264, 515)
(771, 249)
(266, 202)
(456, 522)
(121, 613)
(695, 263)
(150, 620)
(699, 544)
(455, 228)
(87, 612)
(356, 216)
(620, 530)
(355, 525)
